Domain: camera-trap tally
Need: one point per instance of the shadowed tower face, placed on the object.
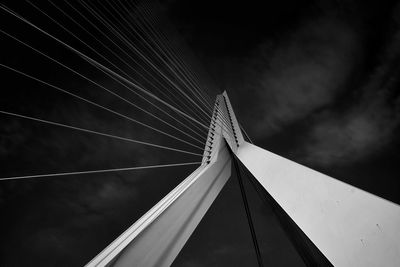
(329, 222)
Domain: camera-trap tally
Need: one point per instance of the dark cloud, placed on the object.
(305, 81)
(368, 125)
(301, 74)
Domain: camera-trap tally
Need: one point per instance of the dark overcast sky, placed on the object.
(314, 81)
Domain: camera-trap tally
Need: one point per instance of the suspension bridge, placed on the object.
(328, 221)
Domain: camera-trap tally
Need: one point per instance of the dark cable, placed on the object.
(308, 251)
(248, 214)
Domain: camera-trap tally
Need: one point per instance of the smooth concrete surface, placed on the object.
(351, 227)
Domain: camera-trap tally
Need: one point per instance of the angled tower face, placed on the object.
(348, 226)
(159, 235)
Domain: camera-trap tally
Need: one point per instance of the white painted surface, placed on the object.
(159, 235)
(351, 227)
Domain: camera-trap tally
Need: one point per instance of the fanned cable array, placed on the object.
(126, 50)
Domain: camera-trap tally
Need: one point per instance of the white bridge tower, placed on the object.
(348, 226)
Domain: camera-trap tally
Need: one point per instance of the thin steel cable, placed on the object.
(85, 57)
(99, 171)
(155, 97)
(175, 55)
(107, 37)
(100, 106)
(76, 37)
(102, 21)
(158, 36)
(105, 71)
(248, 137)
(134, 49)
(190, 109)
(150, 48)
(151, 7)
(166, 40)
(308, 252)
(152, 21)
(248, 213)
(97, 84)
(110, 50)
(90, 47)
(120, 35)
(97, 133)
(163, 51)
(95, 63)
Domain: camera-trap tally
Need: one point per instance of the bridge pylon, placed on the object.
(348, 226)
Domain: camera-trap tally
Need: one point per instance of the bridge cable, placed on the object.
(182, 49)
(143, 69)
(135, 49)
(100, 106)
(98, 171)
(100, 66)
(165, 40)
(309, 253)
(172, 53)
(248, 137)
(247, 209)
(102, 87)
(97, 133)
(167, 50)
(91, 48)
(176, 71)
(109, 26)
(110, 50)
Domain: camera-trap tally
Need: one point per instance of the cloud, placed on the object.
(10, 136)
(307, 78)
(364, 128)
(345, 138)
(300, 74)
